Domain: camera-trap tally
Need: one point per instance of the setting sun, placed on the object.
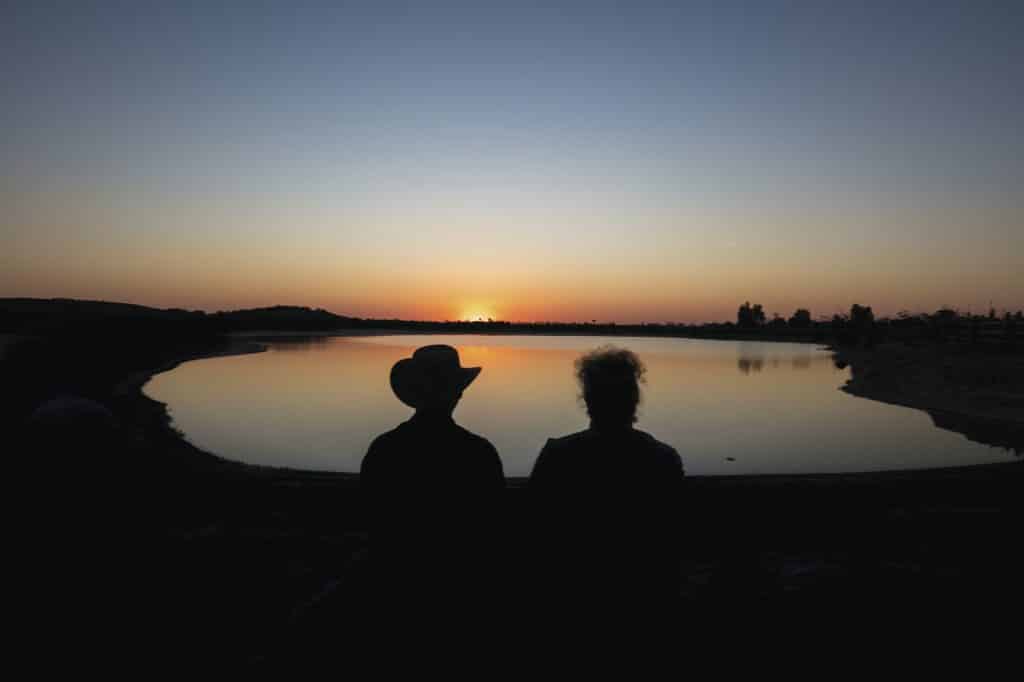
(478, 315)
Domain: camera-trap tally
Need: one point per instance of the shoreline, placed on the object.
(938, 383)
(155, 425)
(328, 333)
(131, 390)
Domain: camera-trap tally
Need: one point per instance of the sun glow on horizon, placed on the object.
(477, 314)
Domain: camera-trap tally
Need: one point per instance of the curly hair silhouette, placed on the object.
(610, 380)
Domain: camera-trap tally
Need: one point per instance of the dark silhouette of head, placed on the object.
(610, 381)
(432, 380)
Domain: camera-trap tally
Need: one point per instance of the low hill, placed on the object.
(281, 318)
(35, 316)
(43, 316)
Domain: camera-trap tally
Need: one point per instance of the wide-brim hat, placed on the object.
(430, 372)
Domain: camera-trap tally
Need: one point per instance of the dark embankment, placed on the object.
(977, 391)
(134, 536)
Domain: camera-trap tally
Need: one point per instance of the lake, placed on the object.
(728, 407)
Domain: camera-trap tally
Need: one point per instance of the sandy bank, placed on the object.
(976, 393)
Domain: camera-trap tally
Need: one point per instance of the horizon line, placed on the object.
(592, 322)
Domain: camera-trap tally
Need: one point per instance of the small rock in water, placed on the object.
(730, 459)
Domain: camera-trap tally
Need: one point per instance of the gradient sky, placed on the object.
(626, 161)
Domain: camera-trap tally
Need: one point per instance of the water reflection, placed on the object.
(316, 403)
(748, 363)
(287, 344)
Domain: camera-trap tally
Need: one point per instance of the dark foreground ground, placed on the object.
(217, 566)
(153, 548)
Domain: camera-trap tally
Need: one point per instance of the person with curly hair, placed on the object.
(607, 497)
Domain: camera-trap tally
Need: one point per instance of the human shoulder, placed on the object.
(664, 454)
(560, 451)
(388, 437)
(381, 446)
(476, 439)
(481, 456)
(566, 443)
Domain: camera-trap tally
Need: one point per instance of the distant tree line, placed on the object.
(152, 325)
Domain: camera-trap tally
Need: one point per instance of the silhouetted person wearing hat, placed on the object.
(434, 492)
(607, 499)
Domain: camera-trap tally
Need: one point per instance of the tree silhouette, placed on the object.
(862, 319)
(801, 319)
(758, 313)
(861, 316)
(743, 316)
(749, 316)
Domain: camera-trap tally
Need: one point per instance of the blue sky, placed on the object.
(572, 146)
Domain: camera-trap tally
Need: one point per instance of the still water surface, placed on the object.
(728, 407)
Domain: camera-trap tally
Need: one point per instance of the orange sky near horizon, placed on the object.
(215, 254)
(562, 161)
